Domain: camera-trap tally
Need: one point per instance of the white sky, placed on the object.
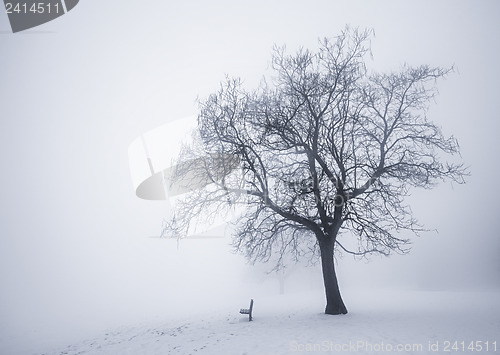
(75, 92)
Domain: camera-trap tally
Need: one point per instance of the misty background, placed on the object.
(76, 253)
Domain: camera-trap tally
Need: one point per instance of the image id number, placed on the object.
(36, 8)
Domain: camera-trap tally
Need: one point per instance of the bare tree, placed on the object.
(321, 158)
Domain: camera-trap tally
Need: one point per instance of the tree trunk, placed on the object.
(334, 303)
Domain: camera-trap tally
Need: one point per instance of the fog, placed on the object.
(77, 252)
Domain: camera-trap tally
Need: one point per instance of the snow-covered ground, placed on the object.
(379, 321)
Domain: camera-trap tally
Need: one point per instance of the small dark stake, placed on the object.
(248, 311)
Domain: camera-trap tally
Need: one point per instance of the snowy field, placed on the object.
(388, 321)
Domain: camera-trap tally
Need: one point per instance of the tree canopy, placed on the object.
(321, 156)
